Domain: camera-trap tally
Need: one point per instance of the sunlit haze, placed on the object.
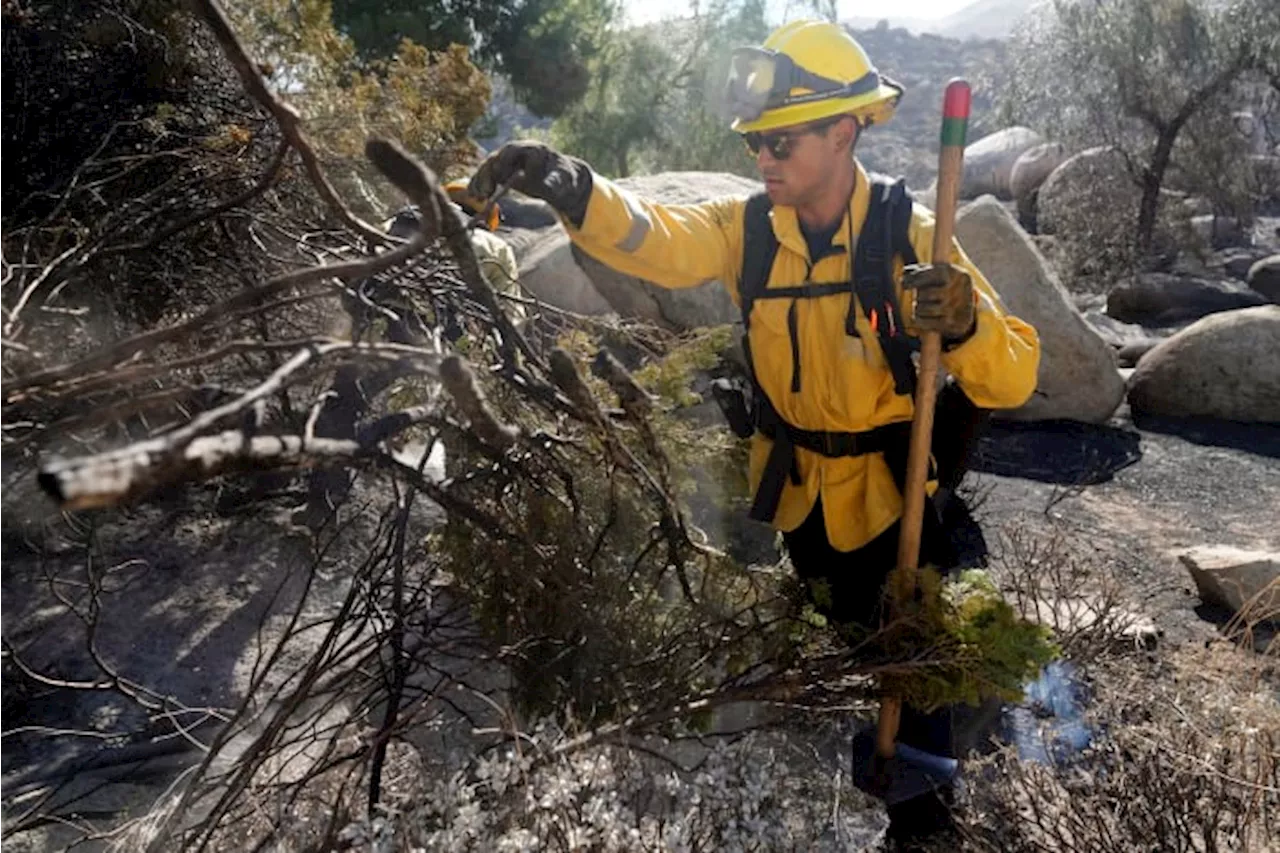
(645, 11)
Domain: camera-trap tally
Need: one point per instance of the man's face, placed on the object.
(796, 163)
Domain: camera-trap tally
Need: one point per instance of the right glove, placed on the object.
(562, 182)
(944, 302)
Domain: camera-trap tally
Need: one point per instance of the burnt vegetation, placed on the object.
(223, 387)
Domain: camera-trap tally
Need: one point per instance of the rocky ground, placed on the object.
(1123, 498)
(1181, 485)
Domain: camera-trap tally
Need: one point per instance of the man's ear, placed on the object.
(846, 131)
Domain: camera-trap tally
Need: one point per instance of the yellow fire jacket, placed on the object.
(847, 384)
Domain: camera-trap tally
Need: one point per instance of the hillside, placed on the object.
(983, 19)
(908, 145)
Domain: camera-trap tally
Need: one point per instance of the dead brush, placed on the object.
(1187, 759)
(1089, 611)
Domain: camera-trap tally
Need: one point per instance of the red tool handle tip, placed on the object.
(955, 104)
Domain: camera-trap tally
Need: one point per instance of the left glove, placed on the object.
(539, 171)
(944, 302)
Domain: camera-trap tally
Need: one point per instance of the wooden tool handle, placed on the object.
(955, 119)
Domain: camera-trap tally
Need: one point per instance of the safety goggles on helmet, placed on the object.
(762, 79)
(780, 142)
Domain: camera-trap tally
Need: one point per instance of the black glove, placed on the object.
(562, 182)
(944, 302)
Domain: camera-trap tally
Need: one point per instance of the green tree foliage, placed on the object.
(1133, 74)
(654, 100)
(427, 99)
(544, 46)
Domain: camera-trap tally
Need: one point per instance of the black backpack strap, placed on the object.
(899, 210)
(759, 248)
(884, 236)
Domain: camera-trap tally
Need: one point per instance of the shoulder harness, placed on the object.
(883, 238)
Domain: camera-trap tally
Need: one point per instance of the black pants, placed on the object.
(855, 580)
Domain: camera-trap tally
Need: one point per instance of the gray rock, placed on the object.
(1078, 378)
(1131, 353)
(706, 305)
(1197, 205)
(1243, 582)
(1030, 171)
(1157, 298)
(989, 162)
(1092, 199)
(549, 272)
(1236, 263)
(1096, 177)
(1224, 366)
(689, 187)
(1027, 212)
(1264, 277)
(1116, 333)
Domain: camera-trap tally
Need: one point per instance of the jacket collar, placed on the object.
(786, 224)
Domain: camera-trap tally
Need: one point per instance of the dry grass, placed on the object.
(1188, 760)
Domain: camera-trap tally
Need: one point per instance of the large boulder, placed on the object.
(706, 305)
(1078, 379)
(988, 163)
(1162, 299)
(1244, 582)
(549, 272)
(1093, 180)
(1034, 167)
(1030, 171)
(1264, 277)
(1226, 365)
(1130, 354)
(1236, 263)
(1117, 334)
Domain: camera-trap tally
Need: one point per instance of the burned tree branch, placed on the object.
(121, 476)
(460, 381)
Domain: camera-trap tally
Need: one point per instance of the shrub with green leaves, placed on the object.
(600, 605)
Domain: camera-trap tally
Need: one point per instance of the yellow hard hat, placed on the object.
(459, 195)
(806, 71)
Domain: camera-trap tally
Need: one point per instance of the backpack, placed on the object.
(885, 236)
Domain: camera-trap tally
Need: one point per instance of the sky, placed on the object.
(644, 11)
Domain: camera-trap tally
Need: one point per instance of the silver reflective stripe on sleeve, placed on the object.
(640, 224)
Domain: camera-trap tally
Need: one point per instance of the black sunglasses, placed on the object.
(780, 142)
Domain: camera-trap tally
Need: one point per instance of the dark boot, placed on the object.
(927, 818)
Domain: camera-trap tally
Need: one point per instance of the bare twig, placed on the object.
(400, 170)
(263, 184)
